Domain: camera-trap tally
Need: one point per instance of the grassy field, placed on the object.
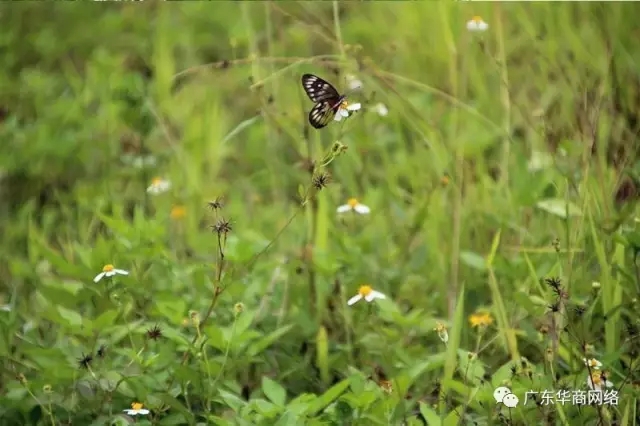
(168, 144)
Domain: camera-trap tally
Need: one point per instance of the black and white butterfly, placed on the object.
(328, 102)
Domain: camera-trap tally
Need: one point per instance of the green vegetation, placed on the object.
(504, 226)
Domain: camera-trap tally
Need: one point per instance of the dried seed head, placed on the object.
(321, 180)
(222, 226)
(216, 204)
(154, 333)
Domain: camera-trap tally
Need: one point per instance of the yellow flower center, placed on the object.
(178, 212)
(344, 104)
(136, 406)
(477, 19)
(596, 378)
(365, 290)
(156, 181)
(108, 268)
(592, 362)
(440, 327)
(352, 203)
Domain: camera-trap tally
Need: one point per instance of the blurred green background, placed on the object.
(502, 183)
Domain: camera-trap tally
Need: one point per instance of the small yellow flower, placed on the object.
(178, 212)
(158, 186)
(597, 380)
(443, 334)
(367, 293)
(136, 408)
(477, 24)
(109, 271)
(353, 205)
(480, 319)
(592, 363)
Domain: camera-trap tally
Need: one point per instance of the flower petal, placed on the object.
(378, 295)
(343, 208)
(121, 271)
(354, 299)
(354, 107)
(362, 209)
(374, 295)
(143, 411)
(99, 277)
(338, 116)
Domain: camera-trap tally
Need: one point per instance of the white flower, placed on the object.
(109, 271)
(477, 24)
(136, 408)
(345, 109)
(596, 381)
(353, 82)
(353, 205)
(539, 160)
(592, 363)
(367, 293)
(158, 186)
(381, 109)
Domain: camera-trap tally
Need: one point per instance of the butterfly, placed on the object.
(326, 97)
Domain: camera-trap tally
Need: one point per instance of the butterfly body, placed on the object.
(326, 97)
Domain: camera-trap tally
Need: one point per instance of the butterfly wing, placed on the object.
(321, 114)
(319, 90)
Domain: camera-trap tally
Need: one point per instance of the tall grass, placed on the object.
(503, 228)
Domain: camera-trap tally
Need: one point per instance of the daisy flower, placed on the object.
(597, 380)
(381, 109)
(158, 186)
(345, 109)
(109, 271)
(136, 408)
(355, 206)
(592, 363)
(367, 293)
(353, 82)
(477, 24)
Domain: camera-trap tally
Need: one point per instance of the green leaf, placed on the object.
(322, 355)
(71, 317)
(106, 319)
(288, 419)
(233, 401)
(559, 207)
(429, 415)
(473, 260)
(272, 390)
(329, 396)
(263, 343)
